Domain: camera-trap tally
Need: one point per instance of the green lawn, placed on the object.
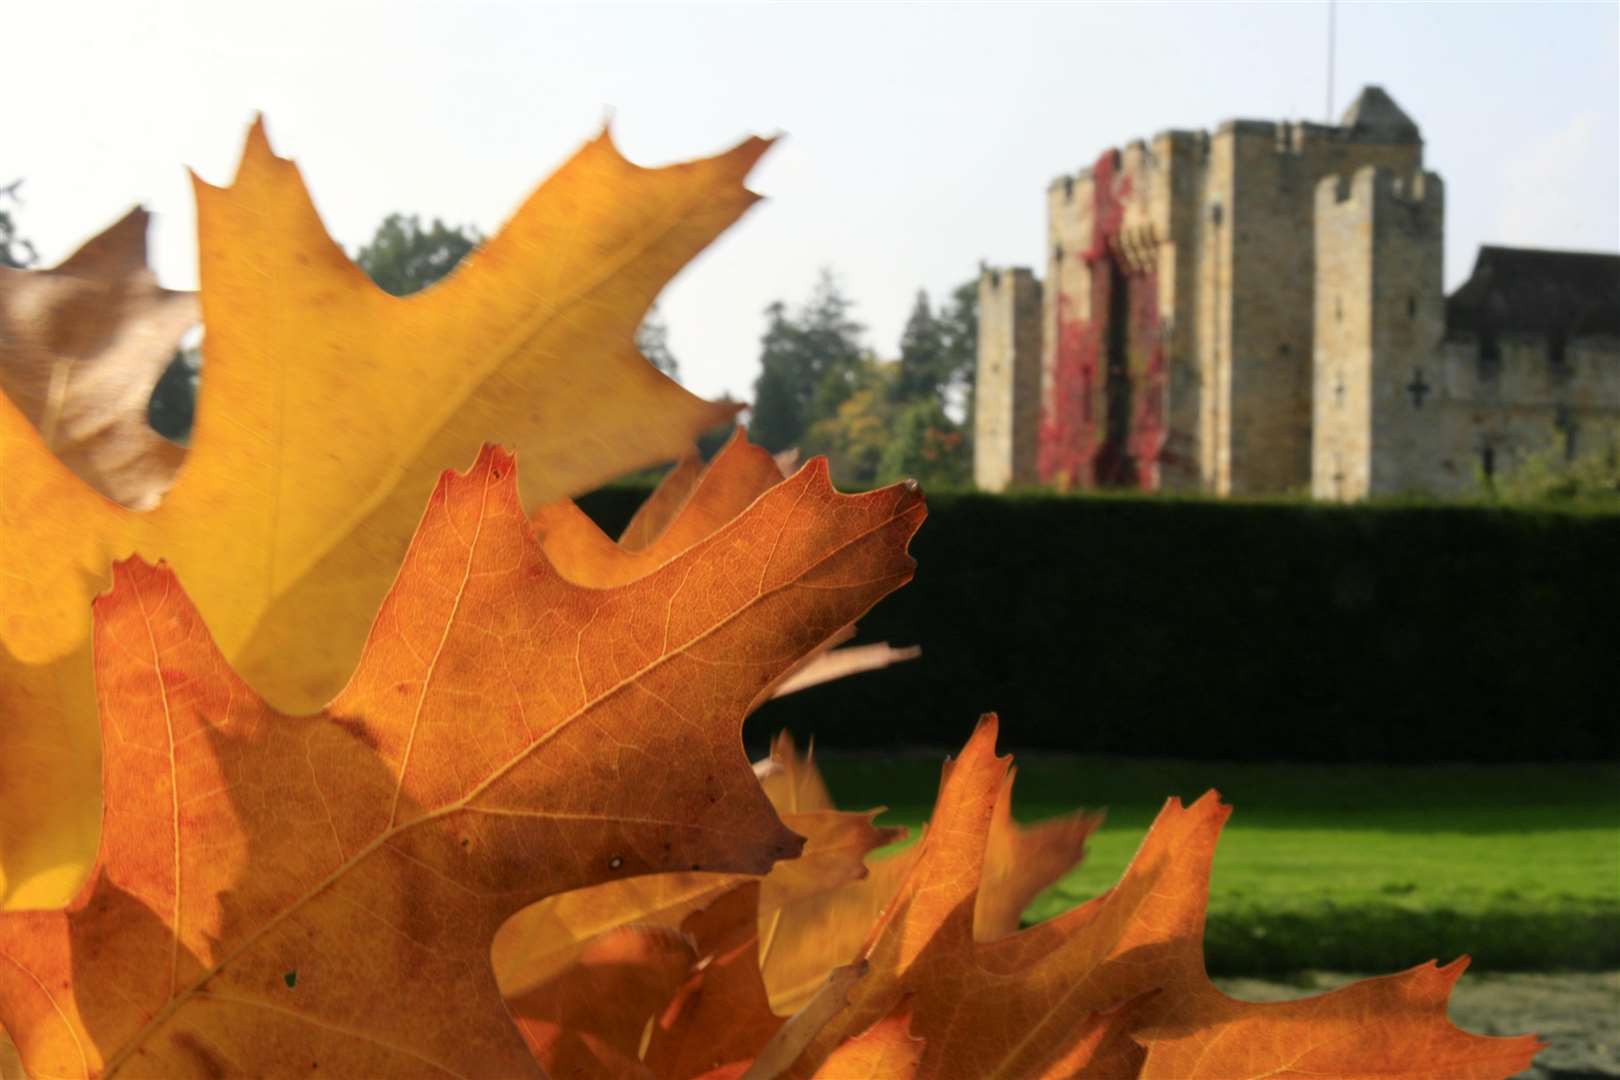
(1355, 868)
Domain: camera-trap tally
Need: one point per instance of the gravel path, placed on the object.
(1577, 1014)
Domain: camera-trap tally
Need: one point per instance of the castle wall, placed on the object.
(1399, 407)
(1379, 314)
(1497, 406)
(1265, 175)
(1007, 394)
(1070, 381)
(1177, 199)
(1342, 340)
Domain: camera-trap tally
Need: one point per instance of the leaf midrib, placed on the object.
(117, 1061)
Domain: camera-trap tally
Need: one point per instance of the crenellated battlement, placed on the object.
(1372, 188)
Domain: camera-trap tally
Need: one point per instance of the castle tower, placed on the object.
(1007, 390)
(1119, 399)
(1258, 268)
(1379, 314)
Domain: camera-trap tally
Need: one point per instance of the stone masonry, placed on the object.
(1243, 312)
(1007, 410)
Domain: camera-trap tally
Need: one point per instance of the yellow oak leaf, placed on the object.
(328, 410)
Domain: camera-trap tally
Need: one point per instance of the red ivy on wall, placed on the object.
(1078, 445)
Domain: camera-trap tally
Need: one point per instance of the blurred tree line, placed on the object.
(878, 421)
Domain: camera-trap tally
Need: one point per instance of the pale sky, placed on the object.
(920, 137)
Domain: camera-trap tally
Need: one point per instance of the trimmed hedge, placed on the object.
(1252, 631)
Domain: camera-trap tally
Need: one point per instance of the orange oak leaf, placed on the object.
(10, 1064)
(506, 735)
(589, 1020)
(1020, 861)
(545, 938)
(653, 516)
(1054, 1000)
(581, 552)
(329, 410)
(1395, 1026)
(885, 1051)
(711, 497)
(793, 783)
(81, 348)
(719, 1021)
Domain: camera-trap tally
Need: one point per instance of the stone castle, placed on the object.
(1260, 310)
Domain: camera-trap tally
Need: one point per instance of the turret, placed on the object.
(1379, 313)
(1007, 393)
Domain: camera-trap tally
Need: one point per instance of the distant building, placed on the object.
(1261, 310)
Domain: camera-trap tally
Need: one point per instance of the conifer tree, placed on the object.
(810, 364)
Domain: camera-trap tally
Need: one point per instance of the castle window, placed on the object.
(1487, 462)
(1490, 355)
(1411, 307)
(1057, 252)
(1338, 309)
(1419, 388)
(1558, 353)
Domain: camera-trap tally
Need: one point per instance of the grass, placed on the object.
(1353, 868)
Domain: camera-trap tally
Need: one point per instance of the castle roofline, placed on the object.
(1534, 290)
(1375, 115)
(1179, 133)
(1372, 118)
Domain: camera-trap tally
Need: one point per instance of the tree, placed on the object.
(652, 338)
(831, 344)
(777, 419)
(810, 364)
(402, 258)
(173, 406)
(857, 435)
(959, 346)
(926, 445)
(938, 354)
(15, 252)
(923, 363)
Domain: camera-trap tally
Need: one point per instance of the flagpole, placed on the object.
(1330, 63)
